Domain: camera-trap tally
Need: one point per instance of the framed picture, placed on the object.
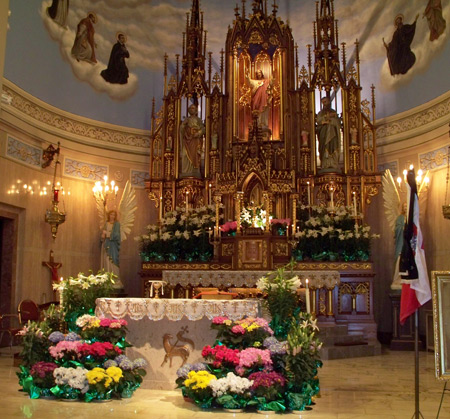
(440, 282)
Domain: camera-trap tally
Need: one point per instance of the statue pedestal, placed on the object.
(402, 335)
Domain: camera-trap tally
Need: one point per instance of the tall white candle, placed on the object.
(187, 201)
(209, 194)
(160, 208)
(308, 302)
(354, 204)
(61, 297)
(332, 201)
(309, 194)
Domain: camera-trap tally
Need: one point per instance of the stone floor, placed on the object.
(372, 387)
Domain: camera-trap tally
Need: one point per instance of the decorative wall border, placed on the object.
(23, 152)
(415, 121)
(138, 178)
(391, 165)
(82, 170)
(435, 159)
(45, 116)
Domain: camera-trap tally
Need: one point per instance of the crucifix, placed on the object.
(53, 266)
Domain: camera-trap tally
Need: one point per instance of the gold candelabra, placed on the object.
(104, 191)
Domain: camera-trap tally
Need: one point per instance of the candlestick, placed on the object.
(187, 200)
(160, 209)
(61, 297)
(354, 204)
(332, 201)
(209, 194)
(309, 194)
(308, 302)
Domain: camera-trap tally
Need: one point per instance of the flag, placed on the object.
(413, 268)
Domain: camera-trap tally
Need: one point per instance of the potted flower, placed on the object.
(95, 354)
(223, 359)
(71, 383)
(43, 380)
(94, 329)
(268, 389)
(132, 371)
(229, 228)
(253, 359)
(198, 388)
(243, 333)
(65, 351)
(232, 392)
(182, 375)
(102, 383)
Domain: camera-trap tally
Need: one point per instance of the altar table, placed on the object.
(165, 332)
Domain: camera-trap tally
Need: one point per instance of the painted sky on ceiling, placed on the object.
(38, 57)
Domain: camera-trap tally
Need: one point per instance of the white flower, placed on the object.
(186, 235)
(197, 233)
(166, 236)
(153, 237)
(177, 234)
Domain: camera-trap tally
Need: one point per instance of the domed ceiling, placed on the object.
(69, 54)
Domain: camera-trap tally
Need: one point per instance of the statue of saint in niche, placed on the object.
(192, 131)
(329, 135)
(261, 91)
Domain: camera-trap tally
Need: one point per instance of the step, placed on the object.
(350, 351)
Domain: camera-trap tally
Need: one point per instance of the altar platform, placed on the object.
(167, 333)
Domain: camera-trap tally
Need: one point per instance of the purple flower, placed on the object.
(56, 337)
(126, 365)
(120, 358)
(72, 337)
(139, 363)
(109, 363)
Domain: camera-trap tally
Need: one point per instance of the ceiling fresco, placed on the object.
(70, 55)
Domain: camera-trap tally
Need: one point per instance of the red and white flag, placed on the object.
(416, 286)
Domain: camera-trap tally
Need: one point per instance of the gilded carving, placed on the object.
(227, 249)
(281, 249)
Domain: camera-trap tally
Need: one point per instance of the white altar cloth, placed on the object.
(317, 279)
(155, 326)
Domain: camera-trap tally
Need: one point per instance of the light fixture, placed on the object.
(54, 216)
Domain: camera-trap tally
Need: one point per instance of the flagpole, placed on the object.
(417, 414)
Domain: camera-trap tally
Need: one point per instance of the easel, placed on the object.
(442, 398)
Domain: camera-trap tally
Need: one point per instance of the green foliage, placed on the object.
(35, 343)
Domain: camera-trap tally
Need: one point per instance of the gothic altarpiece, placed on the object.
(264, 131)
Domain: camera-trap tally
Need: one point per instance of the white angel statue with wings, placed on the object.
(396, 214)
(114, 227)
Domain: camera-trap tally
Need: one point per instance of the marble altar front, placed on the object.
(168, 332)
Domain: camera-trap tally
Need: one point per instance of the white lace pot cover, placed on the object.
(176, 309)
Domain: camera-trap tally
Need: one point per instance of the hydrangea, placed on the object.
(72, 337)
(126, 365)
(275, 346)
(187, 368)
(120, 358)
(139, 363)
(110, 363)
(73, 377)
(56, 337)
(230, 384)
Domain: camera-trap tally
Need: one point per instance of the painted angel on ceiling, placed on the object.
(115, 225)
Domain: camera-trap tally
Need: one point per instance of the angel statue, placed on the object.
(115, 225)
(395, 211)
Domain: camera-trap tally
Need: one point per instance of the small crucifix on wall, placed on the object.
(53, 266)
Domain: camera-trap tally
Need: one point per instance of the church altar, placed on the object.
(167, 332)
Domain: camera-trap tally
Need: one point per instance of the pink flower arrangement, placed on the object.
(251, 357)
(65, 349)
(229, 226)
(238, 329)
(99, 350)
(255, 322)
(266, 379)
(113, 323)
(219, 320)
(221, 355)
(41, 369)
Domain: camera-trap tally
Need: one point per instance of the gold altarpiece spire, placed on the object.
(262, 130)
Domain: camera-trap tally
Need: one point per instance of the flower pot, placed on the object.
(233, 410)
(68, 400)
(266, 412)
(188, 399)
(102, 400)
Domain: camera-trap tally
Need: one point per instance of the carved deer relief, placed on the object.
(174, 350)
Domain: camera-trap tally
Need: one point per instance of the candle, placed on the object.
(187, 202)
(308, 302)
(332, 201)
(354, 204)
(309, 194)
(61, 298)
(55, 195)
(209, 194)
(160, 208)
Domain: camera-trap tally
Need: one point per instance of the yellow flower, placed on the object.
(252, 327)
(115, 373)
(227, 322)
(257, 344)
